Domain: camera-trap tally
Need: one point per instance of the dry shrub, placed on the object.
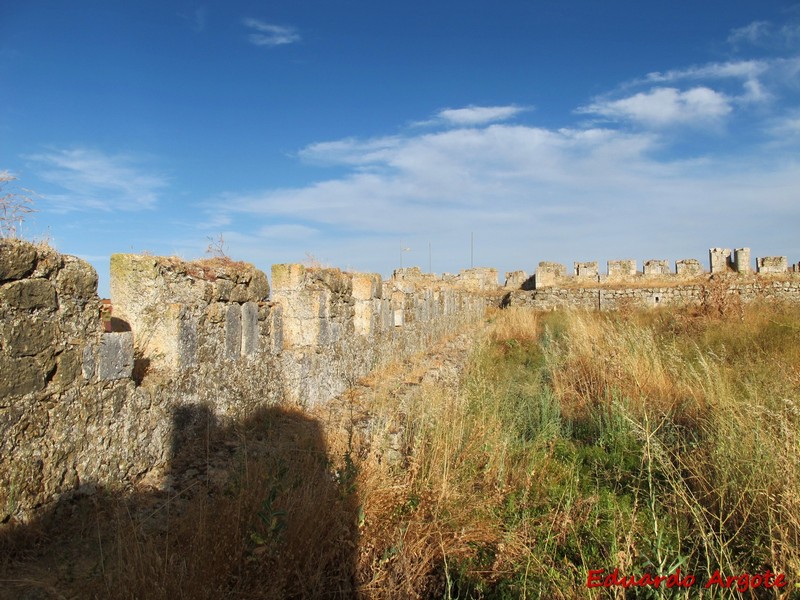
(514, 323)
(427, 518)
(601, 358)
(718, 299)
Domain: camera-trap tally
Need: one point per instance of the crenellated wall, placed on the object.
(193, 345)
(606, 298)
(656, 284)
(190, 341)
(625, 272)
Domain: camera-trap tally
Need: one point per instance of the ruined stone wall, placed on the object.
(70, 414)
(193, 344)
(625, 273)
(598, 298)
(338, 326)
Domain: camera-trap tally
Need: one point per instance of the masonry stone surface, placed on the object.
(772, 264)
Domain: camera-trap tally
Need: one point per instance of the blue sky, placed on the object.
(346, 130)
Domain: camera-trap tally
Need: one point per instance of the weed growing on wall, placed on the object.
(15, 206)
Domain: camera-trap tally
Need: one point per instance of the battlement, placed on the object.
(625, 272)
(177, 335)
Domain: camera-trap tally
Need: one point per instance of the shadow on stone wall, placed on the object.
(257, 509)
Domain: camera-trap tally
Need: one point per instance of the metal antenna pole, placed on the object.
(471, 250)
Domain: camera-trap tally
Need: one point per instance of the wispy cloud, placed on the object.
(470, 116)
(740, 69)
(753, 33)
(479, 115)
(91, 179)
(197, 19)
(526, 189)
(612, 188)
(662, 107)
(597, 189)
(268, 34)
(766, 35)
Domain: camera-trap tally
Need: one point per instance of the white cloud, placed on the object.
(350, 151)
(764, 34)
(94, 180)
(754, 33)
(478, 115)
(267, 34)
(529, 194)
(661, 107)
(741, 69)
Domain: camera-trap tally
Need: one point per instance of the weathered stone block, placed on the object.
(515, 279)
(334, 280)
(233, 332)
(187, 340)
(478, 278)
(288, 277)
(77, 279)
(68, 368)
(587, 270)
(28, 336)
(549, 274)
(366, 286)
(88, 362)
(407, 273)
(363, 319)
(222, 290)
(772, 264)
(621, 269)
(688, 267)
(29, 294)
(276, 328)
(258, 290)
(115, 356)
(17, 259)
(720, 260)
(250, 333)
(655, 268)
(741, 260)
(19, 376)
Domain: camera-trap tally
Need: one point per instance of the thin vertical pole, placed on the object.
(471, 250)
(430, 263)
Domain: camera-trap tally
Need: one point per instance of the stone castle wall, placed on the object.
(655, 284)
(600, 298)
(81, 407)
(625, 272)
(190, 344)
(70, 414)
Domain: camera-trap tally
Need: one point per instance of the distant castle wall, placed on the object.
(656, 284)
(721, 260)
